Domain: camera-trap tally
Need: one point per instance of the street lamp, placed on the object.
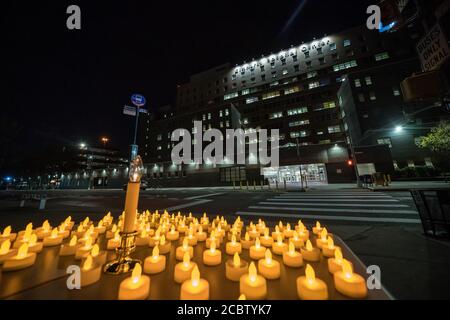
(104, 140)
(398, 129)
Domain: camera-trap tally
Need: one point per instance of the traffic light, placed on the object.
(350, 163)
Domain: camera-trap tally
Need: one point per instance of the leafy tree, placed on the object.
(438, 141)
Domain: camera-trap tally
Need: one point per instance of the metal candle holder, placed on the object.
(123, 263)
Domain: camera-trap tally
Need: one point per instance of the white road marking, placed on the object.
(322, 217)
(333, 210)
(186, 205)
(389, 205)
(205, 196)
(333, 200)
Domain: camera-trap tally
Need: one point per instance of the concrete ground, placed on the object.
(381, 228)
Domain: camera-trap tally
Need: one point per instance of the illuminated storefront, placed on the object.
(312, 174)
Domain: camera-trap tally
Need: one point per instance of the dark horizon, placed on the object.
(70, 86)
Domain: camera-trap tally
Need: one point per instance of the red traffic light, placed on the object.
(350, 162)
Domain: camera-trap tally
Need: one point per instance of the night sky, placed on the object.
(69, 86)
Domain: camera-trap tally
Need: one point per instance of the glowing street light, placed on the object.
(398, 129)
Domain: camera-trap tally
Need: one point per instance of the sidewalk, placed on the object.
(408, 185)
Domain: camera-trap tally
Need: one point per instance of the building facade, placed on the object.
(294, 90)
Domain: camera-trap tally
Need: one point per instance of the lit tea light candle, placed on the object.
(195, 288)
(335, 264)
(90, 272)
(242, 297)
(212, 257)
(142, 239)
(164, 246)
(235, 268)
(24, 238)
(7, 235)
(266, 240)
(329, 249)
(114, 243)
(34, 245)
(172, 235)
(212, 238)
(99, 257)
(311, 288)
(309, 253)
(79, 232)
(303, 233)
(23, 259)
(257, 251)
(83, 250)
(279, 247)
(184, 269)
(53, 240)
(192, 239)
(317, 229)
(182, 227)
(247, 242)
(136, 287)
(277, 233)
(269, 268)
(63, 231)
(155, 239)
(100, 228)
(5, 251)
(180, 251)
(252, 285)
(253, 233)
(111, 233)
(28, 229)
(288, 232)
(233, 246)
(44, 231)
(322, 240)
(156, 263)
(69, 249)
(292, 258)
(298, 243)
(349, 283)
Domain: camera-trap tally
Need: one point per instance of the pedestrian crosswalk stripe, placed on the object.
(333, 200)
(327, 217)
(333, 210)
(358, 205)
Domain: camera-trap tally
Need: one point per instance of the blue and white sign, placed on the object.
(138, 100)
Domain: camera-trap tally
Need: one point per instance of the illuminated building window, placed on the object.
(368, 81)
(298, 123)
(276, 115)
(292, 90)
(334, 129)
(347, 43)
(346, 65)
(252, 100)
(372, 96)
(311, 74)
(298, 134)
(293, 112)
(227, 124)
(313, 85)
(396, 91)
(230, 96)
(332, 46)
(387, 141)
(285, 72)
(329, 105)
(227, 112)
(245, 92)
(381, 56)
(159, 137)
(357, 83)
(271, 95)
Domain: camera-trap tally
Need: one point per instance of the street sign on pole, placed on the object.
(138, 100)
(433, 49)
(130, 111)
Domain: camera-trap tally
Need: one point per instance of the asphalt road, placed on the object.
(381, 228)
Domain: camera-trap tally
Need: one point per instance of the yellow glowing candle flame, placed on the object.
(318, 225)
(4, 248)
(86, 221)
(33, 240)
(7, 231)
(100, 224)
(114, 228)
(279, 240)
(62, 228)
(88, 243)
(80, 228)
(291, 247)
(236, 260)
(252, 273)
(301, 228)
(27, 235)
(185, 244)
(310, 274)
(46, 226)
(73, 241)
(330, 243)
(186, 259)
(95, 250)
(266, 233)
(136, 274)
(268, 256)
(288, 227)
(87, 265)
(143, 233)
(29, 227)
(338, 255)
(257, 243)
(54, 233)
(155, 252)
(280, 224)
(213, 246)
(277, 229)
(233, 239)
(195, 277)
(116, 235)
(162, 241)
(23, 251)
(172, 229)
(309, 246)
(295, 235)
(323, 234)
(247, 237)
(347, 269)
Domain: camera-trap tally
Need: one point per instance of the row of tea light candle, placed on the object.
(159, 231)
